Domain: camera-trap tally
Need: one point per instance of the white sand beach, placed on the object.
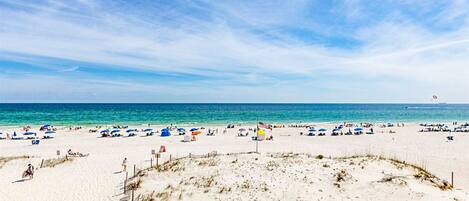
(99, 177)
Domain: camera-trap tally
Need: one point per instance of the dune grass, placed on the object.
(5, 160)
(52, 162)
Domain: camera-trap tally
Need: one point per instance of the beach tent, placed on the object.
(336, 131)
(312, 132)
(49, 134)
(242, 132)
(46, 127)
(131, 132)
(115, 133)
(104, 133)
(358, 130)
(148, 131)
(30, 135)
(181, 131)
(165, 132)
(322, 131)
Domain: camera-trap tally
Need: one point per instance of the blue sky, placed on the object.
(234, 51)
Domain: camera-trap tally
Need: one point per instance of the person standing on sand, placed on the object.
(124, 165)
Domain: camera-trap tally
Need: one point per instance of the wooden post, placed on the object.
(42, 162)
(190, 155)
(452, 179)
(133, 194)
(170, 157)
(125, 181)
(151, 162)
(134, 170)
(157, 157)
(257, 145)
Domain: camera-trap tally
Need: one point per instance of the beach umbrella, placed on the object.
(242, 129)
(194, 129)
(322, 129)
(181, 129)
(105, 131)
(358, 129)
(115, 131)
(148, 130)
(131, 130)
(50, 132)
(29, 133)
(312, 130)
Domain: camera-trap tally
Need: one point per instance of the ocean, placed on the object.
(221, 114)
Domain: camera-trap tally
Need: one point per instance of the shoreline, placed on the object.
(286, 124)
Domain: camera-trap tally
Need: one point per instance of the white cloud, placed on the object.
(230, 45)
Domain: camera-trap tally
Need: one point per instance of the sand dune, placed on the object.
(282, 176)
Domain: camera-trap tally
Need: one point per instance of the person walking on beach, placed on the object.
(124, 165)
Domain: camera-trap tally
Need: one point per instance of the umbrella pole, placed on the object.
(257, 135)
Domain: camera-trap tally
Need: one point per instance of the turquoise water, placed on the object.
(164, 114)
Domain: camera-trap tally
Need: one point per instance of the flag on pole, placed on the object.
(264, 125)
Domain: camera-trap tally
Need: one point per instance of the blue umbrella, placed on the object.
(105, 131)
(115, 131)
(336, 129)
(181, 129)
(29, 133)
(312, 130)
(358, 129)
(194, 129)
(322, 129)
(148, 130)
(50, 132)
(131, 130)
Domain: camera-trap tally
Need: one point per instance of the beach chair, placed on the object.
(35, 141)
(49, 134)
(312, 132)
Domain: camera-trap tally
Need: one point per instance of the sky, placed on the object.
(396, 51)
